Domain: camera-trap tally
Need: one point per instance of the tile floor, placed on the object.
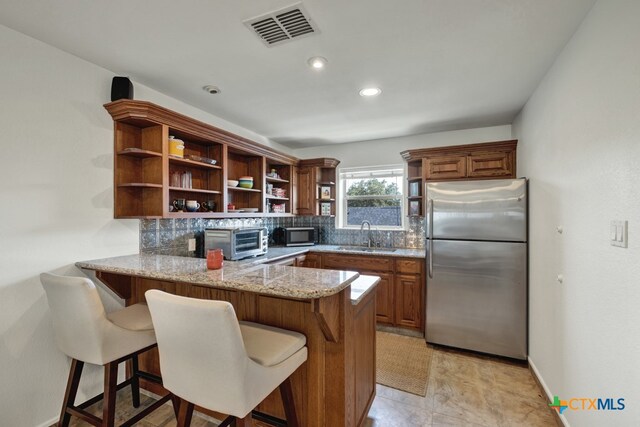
(464, 389)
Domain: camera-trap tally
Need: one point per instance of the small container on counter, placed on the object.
(215, 259)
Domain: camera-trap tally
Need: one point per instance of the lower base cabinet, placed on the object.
(310, 260)
(409, 301)
(400, 295)
(384, 297)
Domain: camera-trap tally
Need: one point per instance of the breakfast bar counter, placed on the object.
(336, 385)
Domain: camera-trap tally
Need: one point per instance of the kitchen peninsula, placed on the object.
(336, 386)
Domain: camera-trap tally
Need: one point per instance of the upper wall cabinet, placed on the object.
(150, 180)
(489, 160)
(316, 182)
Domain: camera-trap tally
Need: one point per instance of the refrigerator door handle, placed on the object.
(430, 237)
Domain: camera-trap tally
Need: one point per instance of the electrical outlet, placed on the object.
(192, 245)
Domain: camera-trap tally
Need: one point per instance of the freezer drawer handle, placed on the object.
(430, 237)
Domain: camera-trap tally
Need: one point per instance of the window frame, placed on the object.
(341, 197)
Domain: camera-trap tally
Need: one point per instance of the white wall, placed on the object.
(387, 151)
(56, 157)
(580, 146)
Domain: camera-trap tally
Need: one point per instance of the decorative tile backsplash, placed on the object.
(171, 236)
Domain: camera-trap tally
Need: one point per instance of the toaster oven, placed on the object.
(237, 243)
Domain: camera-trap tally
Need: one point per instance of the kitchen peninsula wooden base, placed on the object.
(336, 385)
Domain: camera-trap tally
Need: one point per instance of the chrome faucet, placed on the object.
(369, 229)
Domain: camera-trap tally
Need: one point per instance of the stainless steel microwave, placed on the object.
(237, 243)
(295, 236)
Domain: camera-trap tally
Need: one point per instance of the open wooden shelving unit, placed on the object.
(143, 166)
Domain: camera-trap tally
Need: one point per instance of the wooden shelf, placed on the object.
(194, 190)
(271, 179)
(193, 163)
(251, 190)
(326, 200)
(143, 166)
(414, 197)
(414, 178)
(137, 152)
(325, 183)
(195, 215)
(140, 184)
(140, 217)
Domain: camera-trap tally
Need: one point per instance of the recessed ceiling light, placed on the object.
(317, 62)
(370, 91)
(211, 89)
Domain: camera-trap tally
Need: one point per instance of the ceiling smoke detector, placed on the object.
(282, 25)
(211, 89)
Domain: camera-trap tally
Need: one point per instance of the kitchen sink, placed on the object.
(365, 249)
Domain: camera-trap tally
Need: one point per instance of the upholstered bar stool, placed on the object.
(209, 359)
(87, 334)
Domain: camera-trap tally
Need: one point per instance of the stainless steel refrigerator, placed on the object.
(477, 265)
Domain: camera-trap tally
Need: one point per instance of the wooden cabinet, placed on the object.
(316, 187)
(385, 302)
(489, 160)
(498, 165)
(364, 366)
(409, 288)
(445, 167)
(400, 292)
(306, 184)
(359, 263)
(310, 260)
(147, 179)
(313, 261)
(408, 297)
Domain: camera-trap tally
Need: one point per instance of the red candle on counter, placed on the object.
(215, 259)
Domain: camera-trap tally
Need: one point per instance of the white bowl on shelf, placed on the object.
(232, 183)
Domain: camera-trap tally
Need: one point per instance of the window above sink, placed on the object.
(373, 194)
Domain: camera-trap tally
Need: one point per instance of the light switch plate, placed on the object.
(618, 233)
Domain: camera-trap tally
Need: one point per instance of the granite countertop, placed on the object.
(256, 276)
(362, 286)
(276, 253)
(362, 250)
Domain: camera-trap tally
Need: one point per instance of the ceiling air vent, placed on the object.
(282, 25)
